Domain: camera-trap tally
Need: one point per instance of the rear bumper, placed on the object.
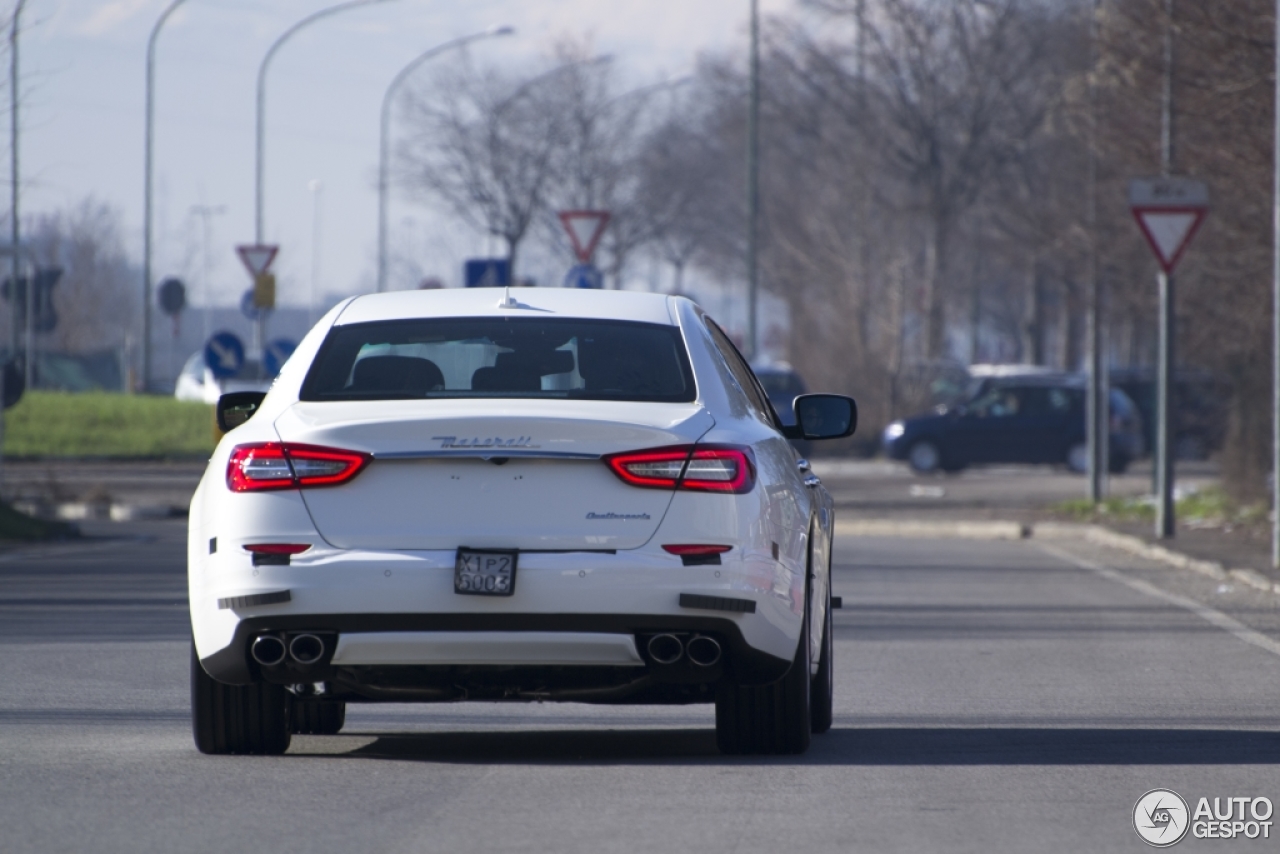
(583, 610)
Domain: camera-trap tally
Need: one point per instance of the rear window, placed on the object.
(501, 357)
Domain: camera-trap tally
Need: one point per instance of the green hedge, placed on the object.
(100, 424)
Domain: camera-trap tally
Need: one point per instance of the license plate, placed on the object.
(484, 573)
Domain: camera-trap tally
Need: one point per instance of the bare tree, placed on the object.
(485, 144)
(95, 300)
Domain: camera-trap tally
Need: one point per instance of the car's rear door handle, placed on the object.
(812, 480)
(803, 465)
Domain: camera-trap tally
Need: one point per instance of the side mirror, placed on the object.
(824, 416)
(237, 407)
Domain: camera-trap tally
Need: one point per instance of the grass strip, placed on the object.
(101, 424)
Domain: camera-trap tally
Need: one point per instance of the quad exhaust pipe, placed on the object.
(270, 650)
(267, 650)
(702, 650)
(306, 649)
(665, 649)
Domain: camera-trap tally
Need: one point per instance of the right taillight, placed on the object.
(701, 468)
(274, 465)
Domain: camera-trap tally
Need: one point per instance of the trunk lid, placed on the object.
(523, 474)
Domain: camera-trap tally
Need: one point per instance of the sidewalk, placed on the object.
(1009, 501)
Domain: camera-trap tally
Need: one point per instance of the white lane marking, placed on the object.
(1204, 612)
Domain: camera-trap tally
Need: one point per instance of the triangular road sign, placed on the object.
(257, 258)
(584, 229)
(1169, 211)
(1169, 231)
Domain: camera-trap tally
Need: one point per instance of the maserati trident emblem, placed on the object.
(474, 443)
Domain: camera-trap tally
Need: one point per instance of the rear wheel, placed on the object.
(1078, 458)
(316, 717)
(822, 690)
(773, 718)
(924, 456)
(237, 718)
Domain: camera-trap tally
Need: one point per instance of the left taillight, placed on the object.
(701, 468)
(281, 465)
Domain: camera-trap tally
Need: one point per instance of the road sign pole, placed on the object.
(1165, 521)
(1275, 318)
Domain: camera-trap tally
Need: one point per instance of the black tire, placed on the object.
(316, 717)
(771, 719)
(237, 718)
(924, 456)
(823, 688)
(1119, 464)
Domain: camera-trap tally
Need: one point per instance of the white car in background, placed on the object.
(453, 495)
(197, 382)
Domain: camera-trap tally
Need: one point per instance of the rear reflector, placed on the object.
(703, 468)
(277, 548)
(696, 549)
(273, 465)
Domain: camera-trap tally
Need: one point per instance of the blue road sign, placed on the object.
(247, 308)
(224, 354)
(584, 276)
(276, 354)
(487, 273)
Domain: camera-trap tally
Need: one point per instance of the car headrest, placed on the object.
(405, 374)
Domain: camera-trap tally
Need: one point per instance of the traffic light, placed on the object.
(44, 318)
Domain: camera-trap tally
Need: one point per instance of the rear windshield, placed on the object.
(501, 357)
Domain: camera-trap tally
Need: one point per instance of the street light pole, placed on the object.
(384, 139)
(206, 214)
(148, 164)
(1275, 316)
(260, 165)
(753, 188)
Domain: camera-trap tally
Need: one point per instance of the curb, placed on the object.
(1097, 534)
(79, 511)
(932, 530)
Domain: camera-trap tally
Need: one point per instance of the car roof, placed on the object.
(984, 371)
(1046, 380)
(529, 302)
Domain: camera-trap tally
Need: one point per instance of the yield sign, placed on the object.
(257, 258)
(1169, 212)
(584, 228)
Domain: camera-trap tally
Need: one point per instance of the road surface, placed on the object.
(992, 696)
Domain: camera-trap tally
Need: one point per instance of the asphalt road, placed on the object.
(992, 696)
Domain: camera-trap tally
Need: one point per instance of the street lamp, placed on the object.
(753, 188)
(148, 146)
(384, 138)
(262, 96)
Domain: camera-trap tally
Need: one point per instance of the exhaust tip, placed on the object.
(665, 649)
(703, 651)
(267, 650)
(306, 649)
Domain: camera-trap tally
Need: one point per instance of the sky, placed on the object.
(82, 122)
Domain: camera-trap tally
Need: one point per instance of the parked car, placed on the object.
(1199, 409)
(1014, 418)
(783, 385)
(573, 495)
(197, 382)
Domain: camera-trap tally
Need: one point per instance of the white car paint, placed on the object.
(383, 545)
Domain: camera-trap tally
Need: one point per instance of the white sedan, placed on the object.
(450, 495)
